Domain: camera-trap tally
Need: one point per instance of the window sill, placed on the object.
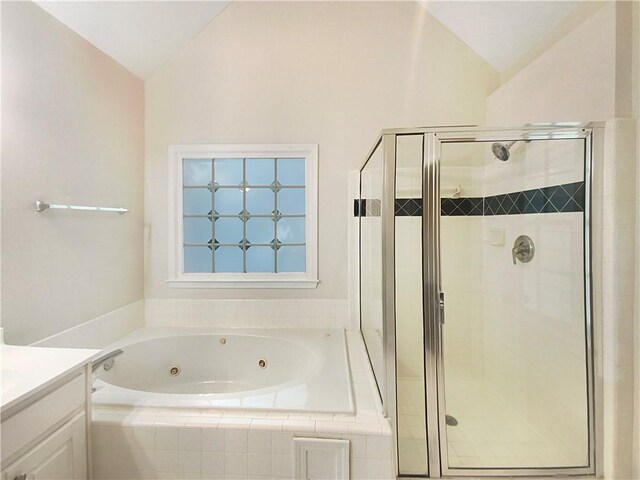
(208, 283)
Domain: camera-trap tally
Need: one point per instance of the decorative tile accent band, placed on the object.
(569, 197)
(367, 207)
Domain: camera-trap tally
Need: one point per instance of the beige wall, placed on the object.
(305, 72)
(575, 79)
(72, 132)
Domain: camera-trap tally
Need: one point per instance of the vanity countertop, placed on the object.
(27, 370)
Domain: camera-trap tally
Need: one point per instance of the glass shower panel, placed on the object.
(512, 265)
(411, 422)
(369, 210)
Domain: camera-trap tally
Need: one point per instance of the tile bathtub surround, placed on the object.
(101, 331)
(302, 313)
(137, 443)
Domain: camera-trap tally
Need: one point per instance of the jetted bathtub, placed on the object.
(248, 369)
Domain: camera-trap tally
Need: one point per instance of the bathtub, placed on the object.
(246, 369)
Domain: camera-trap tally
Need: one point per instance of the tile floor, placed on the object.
(490, 433)
(412, 456)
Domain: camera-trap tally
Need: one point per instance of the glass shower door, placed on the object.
(409, 325)
(515, 372)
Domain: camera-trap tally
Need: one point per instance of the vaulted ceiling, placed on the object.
(142, 35)
(501, 32)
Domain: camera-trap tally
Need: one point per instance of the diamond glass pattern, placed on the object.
(260, 259)
(228, 230)
(260, 201)
(228, 259)
(240, 227)
(260, 230)
(196, 201)
(260, 171)
(291, 201)
(197, 230)
(196, 171)
(291, 259)
(291, 230)
(227, 171)
(291, 171)
(197, 259)
(227, 201)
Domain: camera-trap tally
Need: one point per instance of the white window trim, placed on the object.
(175, 274)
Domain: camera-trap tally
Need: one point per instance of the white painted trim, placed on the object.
(245, 283)
(175, 271)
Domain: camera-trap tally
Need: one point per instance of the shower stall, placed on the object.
(475, 297)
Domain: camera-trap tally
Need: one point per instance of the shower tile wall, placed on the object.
(543, 329)
(461, 254)
(461, 257)
(545, 298)
(510, 328)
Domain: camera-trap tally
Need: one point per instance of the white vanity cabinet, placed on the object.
(62, 455)
(45, 430)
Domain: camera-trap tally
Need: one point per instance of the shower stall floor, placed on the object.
(490, 432)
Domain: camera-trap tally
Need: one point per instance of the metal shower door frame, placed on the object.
(432, 288)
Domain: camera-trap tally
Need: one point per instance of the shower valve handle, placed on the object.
(523, 249)
(515, 251)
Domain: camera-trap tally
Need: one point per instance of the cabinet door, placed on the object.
(61, 456)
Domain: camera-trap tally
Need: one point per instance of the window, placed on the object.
(243, 216)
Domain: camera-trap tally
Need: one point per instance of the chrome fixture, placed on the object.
(501, 150)
(105, 360)
(523, 249)
(42, 206)
(174, 371)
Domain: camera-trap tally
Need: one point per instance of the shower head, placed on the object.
(501, 151)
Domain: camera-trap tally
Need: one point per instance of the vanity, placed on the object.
(45, 412)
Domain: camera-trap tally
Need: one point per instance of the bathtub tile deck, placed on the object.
(243, 444)
(367, 420)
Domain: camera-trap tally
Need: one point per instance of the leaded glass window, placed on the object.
(243, 215)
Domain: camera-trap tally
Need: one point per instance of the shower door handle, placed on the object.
(441, 306)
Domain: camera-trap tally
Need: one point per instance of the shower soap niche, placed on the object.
(495, 237)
